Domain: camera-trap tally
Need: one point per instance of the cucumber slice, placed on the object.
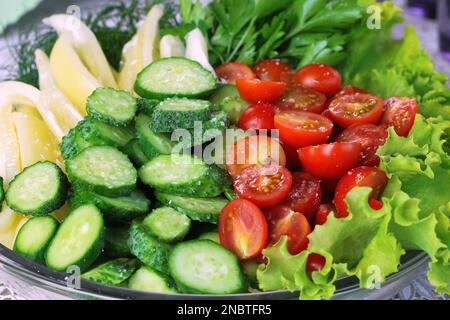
(234, 106)
(68, 145)
(179, 113)
(198, 209)
(147, 248)
(184, 175)
(112, 273)
(116, 242)
(125, 208)
(153, 144)
(149, 280)
(104, 170)
(167, 224)
(112, 106)
(212, 235)
(98, 133)
(174, 77)
(78, 241)
(203, 266)
(223, 92)
(2, 192)
(146, 106)
(38, 190)
(35, 236)
(134, 151)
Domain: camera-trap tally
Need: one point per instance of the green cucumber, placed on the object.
(2, 192)
(152, 143)
(184, 175)
(179, 113)
(249, 268)
(167, 224)
(79, 240)
(146, 106)
(147, 248)
(134, 151)
(68, 145)
(174, 77)
(112, 106)
(38, 190)
(113, 272)
(125, 208)
(149, 280)
(98, 133)
(198, 209)
(211, 235)
(234, 106)
(104, 170)
(35, 236)
(116, 242)
(205, 267)
(223, 92)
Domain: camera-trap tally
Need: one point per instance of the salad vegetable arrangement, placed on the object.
(338, 162)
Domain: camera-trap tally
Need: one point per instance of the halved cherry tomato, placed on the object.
(273, 70)
(356, 109)
(400, 113)
(370, 137)
(264, 185)
(292, 162)
(305, 194)
(254, 150)
(323, 212)
(301, 98)
(299, 129)
(320, 77)
(232, 71)
(243, 229)
(359, 177)
(255, 90)
(315, 262)
(330, 161)
(284, 221)
(349, 90)
(258, 116)
(375, 204)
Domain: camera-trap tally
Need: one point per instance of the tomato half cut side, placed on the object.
(359, 177)
(400, 113)
(323, 213)
(264, 185)
(283, 221)
(243, 229)
(320, 77)
(355, 109)
(232, 71)
(299, 129)
(330, 161)
(273, 70)
(257, 117)
(254, 150)
(255, 90)
(301, 98)
(305, 195)
(370, 137)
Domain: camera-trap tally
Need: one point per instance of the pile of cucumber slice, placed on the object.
(140, 215)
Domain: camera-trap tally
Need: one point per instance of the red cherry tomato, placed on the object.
(243, 229)
(315, 262)
(255, 90)
(232, 71)
(370, 137)
(299, 129)
(349, 90)
(305, 194)
(301, 98)
(265, 186)
(330, 161)
(273, 70)
(323, 212)
(359, 177)
(292, 162)
(400, 113)
(329, 186)
(320, 77)
(254, 150)
(356, 109)
(258, 116)
(375, 204)
(285, 222)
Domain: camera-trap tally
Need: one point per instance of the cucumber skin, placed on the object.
(88, 130)
(92, 254)
(145, 93)
(170, 284)
(135, 152)
(112, 272)
(110, 211)
(68, 145)
(168, 121)
(116, 242)
(147, 106)
(145, 134)
(38, 256)
(2, 192)
(196, 215)
(223, 92)
(147, 249)
(53, 204)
